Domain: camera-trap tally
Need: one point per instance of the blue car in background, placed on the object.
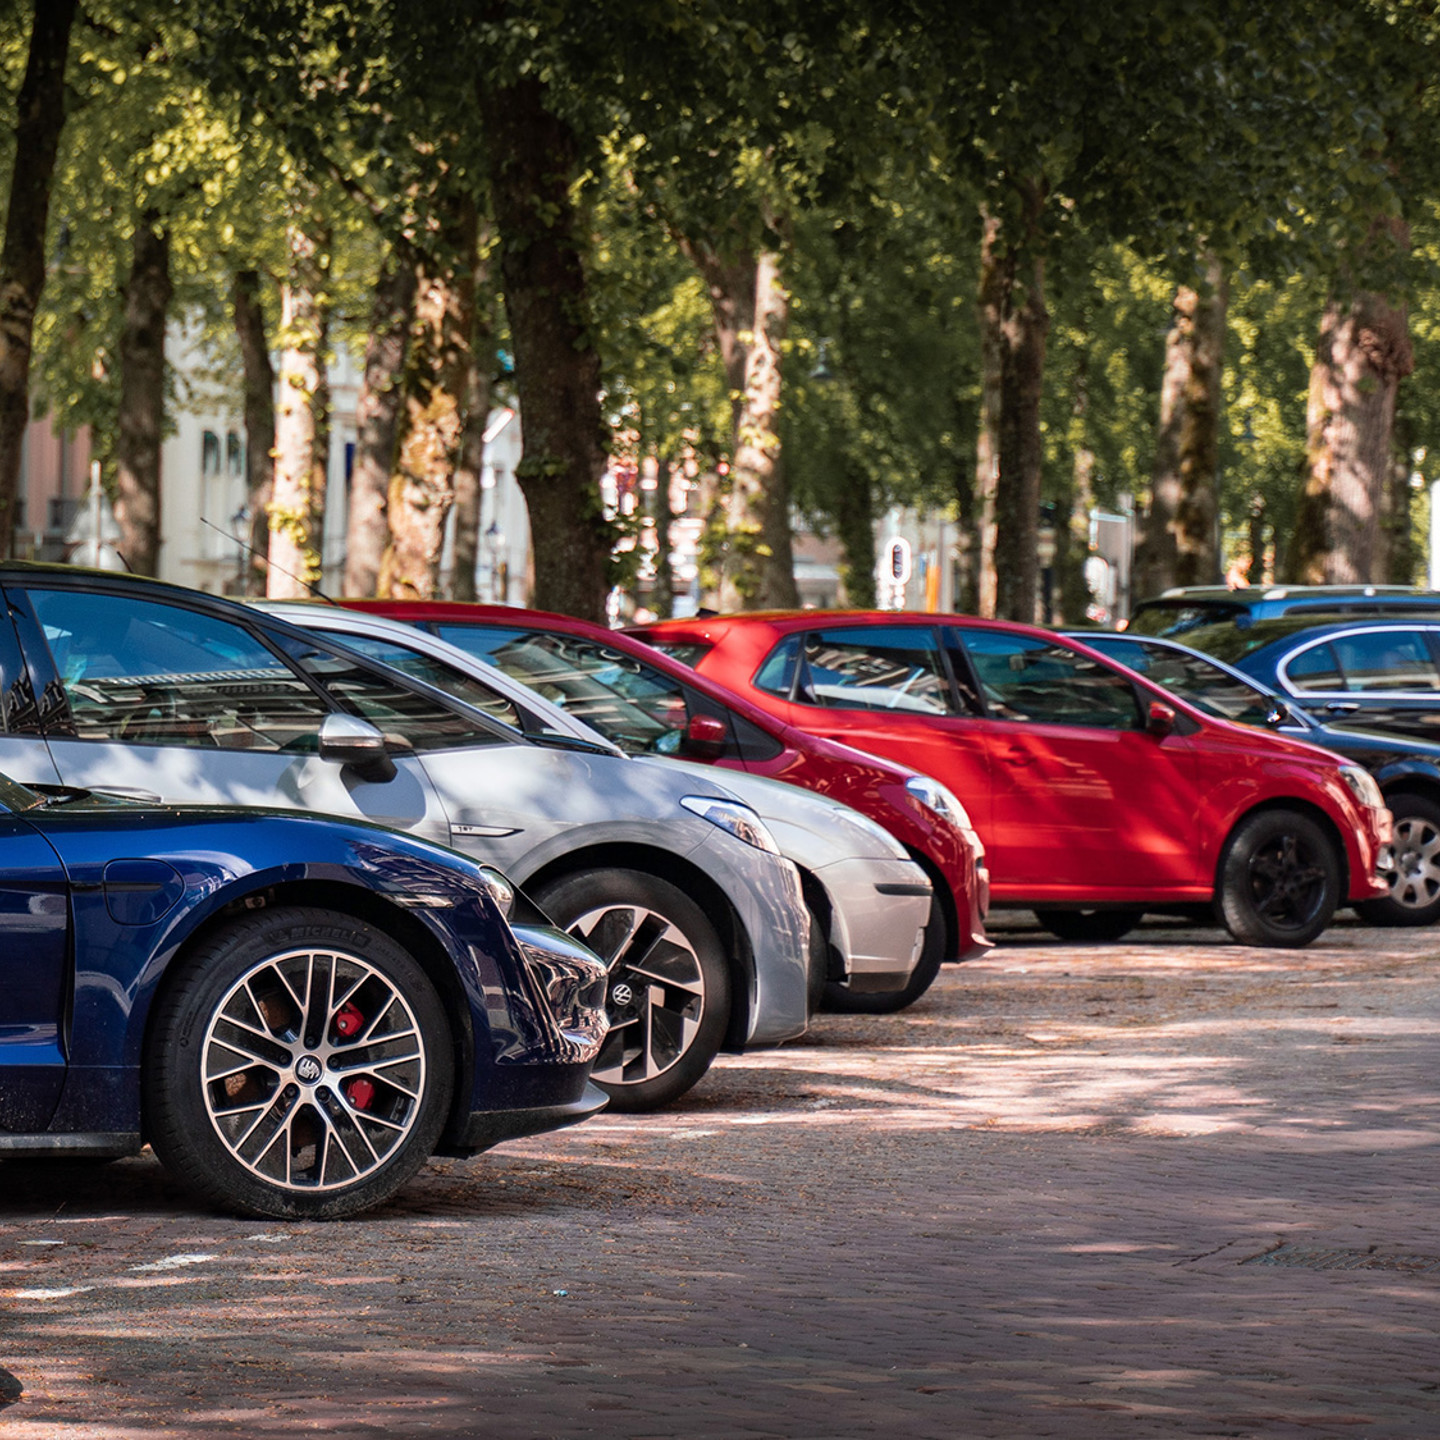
(295, 1012)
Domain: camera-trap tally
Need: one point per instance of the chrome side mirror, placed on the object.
(349, 740)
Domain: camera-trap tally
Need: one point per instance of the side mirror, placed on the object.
(1277, 715)
(349, 740)
(1161, 720)
(705, 737)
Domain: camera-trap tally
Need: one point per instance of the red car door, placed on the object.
(1085, 802)
(886, 689)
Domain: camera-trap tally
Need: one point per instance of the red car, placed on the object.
(645, 702)
(1098, 795)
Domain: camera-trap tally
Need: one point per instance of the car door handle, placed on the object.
(1017, 756)
(124, 792)
(1341, 707)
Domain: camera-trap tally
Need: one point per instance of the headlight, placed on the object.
(498, 888)
(1362, 786)
(740, 820)
(934, 796)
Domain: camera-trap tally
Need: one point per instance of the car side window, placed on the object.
(145, 672)
(1388, 660)
(1197, 681)
(408, 716)
(880, 667)
(1315, 669)
(631, 704)
(1026, 678)
(777, 675)
(463, 687)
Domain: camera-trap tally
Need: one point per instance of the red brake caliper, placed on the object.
(348, 1021)
(360, 1093)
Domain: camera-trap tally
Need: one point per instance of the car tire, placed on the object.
(300, 1066)
(1089, 926)
(841, 1000)
(1279, 880)
(817, 975)
(1414, 897)
(668, 990)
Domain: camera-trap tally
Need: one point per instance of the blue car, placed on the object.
(294, 1012)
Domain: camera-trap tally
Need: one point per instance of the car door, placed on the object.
(1085, 801)
(163, 701)
(886, 688)
(1384, 677)
(34, 975)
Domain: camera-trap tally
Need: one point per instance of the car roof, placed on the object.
(788, 621)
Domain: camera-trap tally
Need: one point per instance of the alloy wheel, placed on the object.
(314, 1070)
(1288, 882)
(1415, 881)
(657, 992)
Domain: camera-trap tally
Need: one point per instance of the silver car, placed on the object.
(869, 901)
(133, 687)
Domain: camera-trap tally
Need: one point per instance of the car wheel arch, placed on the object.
(695, 883)
(1295, 805)
(354, 903)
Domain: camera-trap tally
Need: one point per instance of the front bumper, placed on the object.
(879, 910)
(487, 1128)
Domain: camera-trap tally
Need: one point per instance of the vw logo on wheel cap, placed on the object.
(621, 994)
(308, 1069)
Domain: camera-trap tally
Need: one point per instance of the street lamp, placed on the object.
(1045, 548)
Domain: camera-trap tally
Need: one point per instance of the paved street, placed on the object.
(1165, 1187)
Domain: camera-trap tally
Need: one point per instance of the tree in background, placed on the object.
(40, 117)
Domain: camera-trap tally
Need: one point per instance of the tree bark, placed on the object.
(1074, 542)
(377, 419)
(532, 159)
(751, 312)
(1363, 353)
(469, 471)
(662, 596)
(302, 425)
(437, 375)
(855, 524)
(1179, 544)
(994, 289)
(1024, 323)
(259, 406)
(39, 119)
(140, 423)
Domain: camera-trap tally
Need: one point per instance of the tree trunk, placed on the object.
(1074, 541)
(1179, 544)
(302, 427)
(140, 424)
(751, 310)
(469, 471)
(422, 489)
(994, 288)
(377, 420)
(1363, 353)
(855, 525)
(533, 158)
(1024, 322)
(663, 594)
(39, 119)
(1402, 554)
(259, 382)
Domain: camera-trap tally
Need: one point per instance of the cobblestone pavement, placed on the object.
(1166, 1187)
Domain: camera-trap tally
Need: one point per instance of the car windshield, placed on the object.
(1179, 617)
(631, 704)
(1232, 644)
(15, 797)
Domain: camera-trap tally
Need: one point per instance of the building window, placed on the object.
(209, 453)
(234, 455)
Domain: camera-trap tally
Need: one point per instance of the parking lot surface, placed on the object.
(1167, 1186)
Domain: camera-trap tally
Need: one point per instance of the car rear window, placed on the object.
(687, 652)
(1177, 617)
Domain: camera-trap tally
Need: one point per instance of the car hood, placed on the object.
(791, 813)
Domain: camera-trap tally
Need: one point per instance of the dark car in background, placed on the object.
(1382, 674)
(1189, 607)
(295, 1012)
(1406, 768)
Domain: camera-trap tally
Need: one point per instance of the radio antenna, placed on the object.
(310, 585)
